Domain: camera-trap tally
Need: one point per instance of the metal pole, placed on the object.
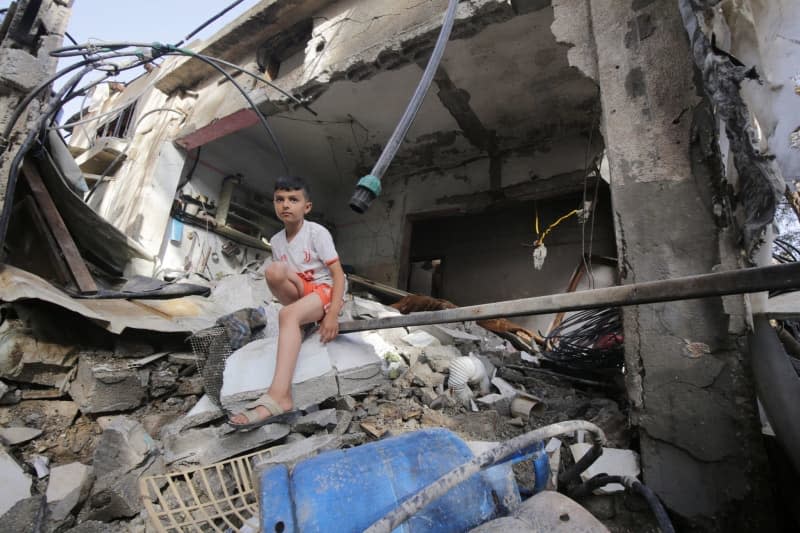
(742, 281)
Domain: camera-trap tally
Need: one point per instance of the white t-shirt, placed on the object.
(310, 253)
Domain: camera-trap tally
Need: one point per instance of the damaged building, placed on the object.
(499, 251)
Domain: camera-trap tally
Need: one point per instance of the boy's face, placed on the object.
(291, 206)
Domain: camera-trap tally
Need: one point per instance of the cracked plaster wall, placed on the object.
(687, 377)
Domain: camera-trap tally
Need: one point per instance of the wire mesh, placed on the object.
(217, 498)
(211, 348)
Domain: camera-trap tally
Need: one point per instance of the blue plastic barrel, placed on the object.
(348, 490)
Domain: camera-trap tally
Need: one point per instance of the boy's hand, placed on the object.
(329, 327)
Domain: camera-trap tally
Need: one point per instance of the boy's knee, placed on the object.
(287, 315)
(276, 272)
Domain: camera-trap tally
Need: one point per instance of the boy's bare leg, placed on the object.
(284, 284)
(290, 318)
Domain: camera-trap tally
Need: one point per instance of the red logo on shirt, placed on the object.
(308, 275)
(307, 256)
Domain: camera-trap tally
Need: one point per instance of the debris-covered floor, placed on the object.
(88, 414)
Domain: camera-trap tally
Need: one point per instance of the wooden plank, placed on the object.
(83, 278)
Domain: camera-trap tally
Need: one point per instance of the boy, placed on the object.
(307, 278)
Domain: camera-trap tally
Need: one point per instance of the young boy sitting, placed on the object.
(307, 278)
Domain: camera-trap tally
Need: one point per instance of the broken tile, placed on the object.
(211, 445)
(68, 486)
(317, 421)
(16, 485)
(14, 436)
(105, 384)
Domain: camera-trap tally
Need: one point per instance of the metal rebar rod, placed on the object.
(748, 280)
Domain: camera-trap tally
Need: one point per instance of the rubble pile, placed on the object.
(82, 424)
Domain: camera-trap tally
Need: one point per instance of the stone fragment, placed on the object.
(317, 421)
(431, 418)
(104, 385)
(69, 485)
(346, 403)
(440, 357)
(123, 446)
(14, 436)
(425, 377)
(154, 423)
(3, 389)
(345, 418)
(211, 445)
(163, 382)
(11, 397)
(427, 395)
(116, 495)
(16, 485)
(92, 526)
(25, 515)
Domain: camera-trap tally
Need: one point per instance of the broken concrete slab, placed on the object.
(249, 371)
(16, 484)
(358, 366)
(14, 436)
(68, 486)
(291, 454)
(316, 421)
(203, 412)
(26, 515)
(421, 339)
(105, 384)
(440, 357)
(211, 445)
(116, 495)
(123, 446)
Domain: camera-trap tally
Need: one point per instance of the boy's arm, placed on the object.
(329, 327)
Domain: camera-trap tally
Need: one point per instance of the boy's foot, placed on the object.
(262, 411)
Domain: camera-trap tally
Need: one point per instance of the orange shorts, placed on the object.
(324, 291)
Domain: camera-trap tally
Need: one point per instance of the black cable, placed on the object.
(205, 24)
(632, 484)
(572, 473)
(33, 134)
(588, 340)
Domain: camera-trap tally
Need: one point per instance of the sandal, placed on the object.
(253, 418)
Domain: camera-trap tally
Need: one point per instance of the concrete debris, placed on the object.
(26, 515)
(116, 495)
(23, 358)
(16, 484)
(123, 446)
(440, 357)
(105, 385)
(68, 487)
(211, 445)
(291, 454)
(14, 436)
(421, 339)
(41, 465)
(316, 421)
(12, 397)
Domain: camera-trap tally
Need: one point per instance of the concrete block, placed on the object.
(16, 485)
(251, 368)
(69, 485)
(104, 385)
(316, 421)
(421, 339)
(361, 380)
(22, 515)
(211, 445)
(123, 446)
(358, 366)
(439, 357)
(14, 436)
(203, 412)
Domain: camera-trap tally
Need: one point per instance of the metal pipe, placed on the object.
(748, 280)
(778, 387)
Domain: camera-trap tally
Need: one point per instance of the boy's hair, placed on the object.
(293, 183)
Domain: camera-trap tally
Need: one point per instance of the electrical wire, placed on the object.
(551, 227)
(589, 340)
(205, 24)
